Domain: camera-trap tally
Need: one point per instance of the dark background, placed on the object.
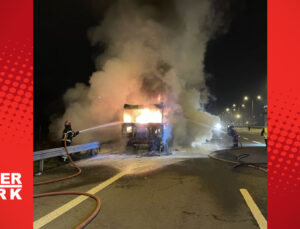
(235, 62)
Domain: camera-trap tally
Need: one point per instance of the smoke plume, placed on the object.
(150, 50)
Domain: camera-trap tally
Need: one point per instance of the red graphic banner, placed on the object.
(283, 114)
(16, 110)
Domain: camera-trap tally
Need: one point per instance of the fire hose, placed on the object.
(238, 162)
(98, 206)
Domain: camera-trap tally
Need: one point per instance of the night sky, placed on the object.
(235, 62)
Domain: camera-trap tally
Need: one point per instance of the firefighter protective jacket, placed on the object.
(68, 133)
(264, 133)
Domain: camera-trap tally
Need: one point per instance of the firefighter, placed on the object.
(232, 132)
(68, 134)
(264, 132)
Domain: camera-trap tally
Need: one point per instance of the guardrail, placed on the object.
(41, 155)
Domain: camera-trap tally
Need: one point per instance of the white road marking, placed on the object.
(260, 219)
(73, 203)
(257, 142)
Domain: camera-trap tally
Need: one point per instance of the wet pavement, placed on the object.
(184, 190)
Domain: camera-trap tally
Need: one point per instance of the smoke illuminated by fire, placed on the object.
(143, 116)
(159, 98)
(148, 56)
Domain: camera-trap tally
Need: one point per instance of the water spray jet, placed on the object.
(100, 126)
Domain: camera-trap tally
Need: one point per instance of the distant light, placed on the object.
(227, 109)
(247, 122)
(238, 116)
(234, 105)
(234, 109)
(218, 126)
(246, 98)
(259, 97)
(243, 105)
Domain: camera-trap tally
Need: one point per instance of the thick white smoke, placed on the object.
(148, 52)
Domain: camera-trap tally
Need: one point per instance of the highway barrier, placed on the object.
(41, 155)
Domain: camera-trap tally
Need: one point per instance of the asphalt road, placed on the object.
(184, 190)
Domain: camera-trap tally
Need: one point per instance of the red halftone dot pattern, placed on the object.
(16, 92)
(283, 143)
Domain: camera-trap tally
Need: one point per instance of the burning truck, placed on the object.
(143, 127)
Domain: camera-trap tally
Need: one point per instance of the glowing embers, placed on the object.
(143, 116)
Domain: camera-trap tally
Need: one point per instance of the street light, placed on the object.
(227, 109)
(243, 105)
(238, 116)
(246, 98)
(234, 105)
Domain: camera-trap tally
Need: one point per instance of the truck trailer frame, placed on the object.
(145, 135)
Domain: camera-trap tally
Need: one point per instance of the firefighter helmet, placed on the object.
(67, 123)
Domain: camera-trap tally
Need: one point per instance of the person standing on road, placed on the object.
(68, 134)
(264, 133)
(233, 133)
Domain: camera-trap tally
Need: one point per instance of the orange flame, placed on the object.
(127, 118)
(149, 116)
(143, 116)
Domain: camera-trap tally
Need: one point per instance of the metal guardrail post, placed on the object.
(41, 166)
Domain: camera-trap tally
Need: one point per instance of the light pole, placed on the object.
(238, 117)
(246, 98)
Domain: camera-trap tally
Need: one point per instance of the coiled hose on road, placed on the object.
(97, 209)
(238, 162)
(251, 165)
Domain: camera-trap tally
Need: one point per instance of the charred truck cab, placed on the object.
(143, 126)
